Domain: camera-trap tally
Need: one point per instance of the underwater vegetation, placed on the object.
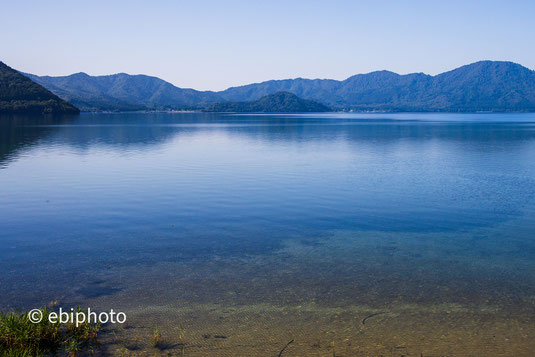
(21, 337)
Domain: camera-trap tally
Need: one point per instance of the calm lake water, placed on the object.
(133, 211)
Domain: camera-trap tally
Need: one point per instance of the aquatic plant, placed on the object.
(181, 333)
(19, 336)
(73, 347)
(181, 343)
(156, 338)
(333, 349)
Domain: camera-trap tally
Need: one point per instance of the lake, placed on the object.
(350, 234)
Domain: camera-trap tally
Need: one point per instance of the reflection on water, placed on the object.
(18, 132)
(308, 221)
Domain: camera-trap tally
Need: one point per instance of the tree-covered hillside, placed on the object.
(19, 94)
(280, 102)
(481, 86)
(124, 92)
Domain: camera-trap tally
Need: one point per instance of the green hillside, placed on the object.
(124, 92)
(19, 94)
(280, 102)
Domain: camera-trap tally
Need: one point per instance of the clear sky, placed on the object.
(206, 44)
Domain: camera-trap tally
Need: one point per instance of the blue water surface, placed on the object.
(100, 191)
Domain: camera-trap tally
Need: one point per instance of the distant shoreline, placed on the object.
(334, 111)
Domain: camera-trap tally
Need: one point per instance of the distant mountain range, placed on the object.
(481, 86)
(280, 102)
(18, 94)
(124, 92)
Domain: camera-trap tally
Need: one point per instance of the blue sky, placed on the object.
(216, 44)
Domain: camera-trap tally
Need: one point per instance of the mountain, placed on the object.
(19, 94)
(123, 92)
(321, 90)
(280, 102)
(480, 86)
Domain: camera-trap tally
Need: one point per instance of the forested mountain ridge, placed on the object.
(280, 102)
(481, 86)
(19, 94)
(123, 92)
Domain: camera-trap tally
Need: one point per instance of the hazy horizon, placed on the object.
(209, 45)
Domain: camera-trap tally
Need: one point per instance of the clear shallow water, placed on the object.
(335, 209)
